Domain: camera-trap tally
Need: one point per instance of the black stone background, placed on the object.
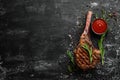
(35, 34)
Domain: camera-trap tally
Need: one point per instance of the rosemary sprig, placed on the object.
(101, 47)
(89, 49)
(69, 54)
(70, 68)
(103, 14)
(96, 16)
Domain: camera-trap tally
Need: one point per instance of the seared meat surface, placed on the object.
(82, 57)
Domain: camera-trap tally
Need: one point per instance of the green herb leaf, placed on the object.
(96, 15)
(103, 14)
(70, 68)
(103, 51)
(89, 51)
(69, 54)
(100, 45)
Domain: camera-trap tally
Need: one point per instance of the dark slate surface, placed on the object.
(35, 34)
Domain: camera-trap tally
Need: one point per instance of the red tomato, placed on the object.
(99, 26)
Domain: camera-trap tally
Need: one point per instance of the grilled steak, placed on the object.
(82, 57)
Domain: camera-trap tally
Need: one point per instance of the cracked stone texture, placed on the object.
(35, 34)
